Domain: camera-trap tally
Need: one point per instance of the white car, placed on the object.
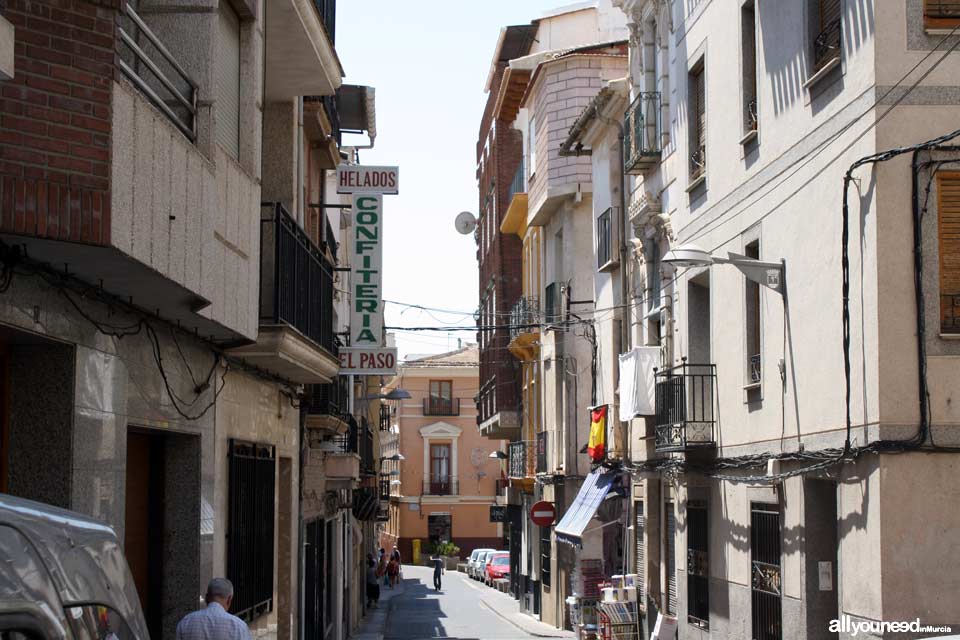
(476, 562)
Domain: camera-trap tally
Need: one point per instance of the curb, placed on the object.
(527, 631)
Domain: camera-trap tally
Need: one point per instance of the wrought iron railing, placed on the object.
(524, 316)
(296, 281)
(685, 398)
(327, 399)
(383, 487)
(755, 368)
(542, 452)
(368, 462)
(518, 184)
(826, 46)
(641, 132)
(521, 459)
(950, 313)
(328, 16)
(441, 486)
(766, 584)
(434, 406)
(386, 417)
(150, 66)
(752, 116)
(349, 442)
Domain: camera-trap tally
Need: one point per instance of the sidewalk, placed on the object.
(507, 608)
(373, 624)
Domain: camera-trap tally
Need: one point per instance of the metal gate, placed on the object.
(640, 524)
(313, 579)
(765, 583)
(515, 517)
(671, 533)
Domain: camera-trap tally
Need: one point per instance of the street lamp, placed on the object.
(397, 457)
(768, 274)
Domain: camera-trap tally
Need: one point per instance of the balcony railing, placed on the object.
(641, 133)
(521, 459)
(328, 16)
(542, 452)
(327, 399)
(441, 486)
(755, 369)
(524, 316)
(147, 63)
(333, 114)
(826, 46)
(441, 406)
(296, 281)
(368, 463)
(949, 313)
(386, 417)
(518, 184)
(349, 442)
(685, 399)
(383, 486)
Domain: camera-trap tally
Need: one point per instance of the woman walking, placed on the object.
(393, 572)
(373, 583)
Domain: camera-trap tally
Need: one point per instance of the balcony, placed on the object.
(685, 407)
(642, 134)
(497, 415)
(296, 338)
(434, 406)
(554, 312)
(515, 220)
(321, 125)
(542, 451)
(386, 418)
(525, 321)
(522, 460)
(300, 56)
(326, 404)
(355, 449)
(441, 486)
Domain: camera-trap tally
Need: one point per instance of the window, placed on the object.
(532, 144)
(948, 205)
(670, 548)
(640, 566)
(606, 240)
(765, 571)
(439, 470)
(752, 306)
(545, 555)
(227, 79)
(826, 24)
(748, 47)
(698, 577)
(250, 527)
(696, 110)
(654, 280)
(441, 397)
(941, 14)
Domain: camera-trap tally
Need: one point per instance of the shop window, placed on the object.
(948, 206)
(698, 567)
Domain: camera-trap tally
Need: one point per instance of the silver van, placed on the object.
(63, 575)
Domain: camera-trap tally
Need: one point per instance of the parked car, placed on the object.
(472, 561)
(62, 575)
(498, 566)
(477, 566)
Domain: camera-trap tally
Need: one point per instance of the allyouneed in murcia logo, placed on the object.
(846, 624)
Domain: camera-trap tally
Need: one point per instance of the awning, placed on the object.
(594, 489)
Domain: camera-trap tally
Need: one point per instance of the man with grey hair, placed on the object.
(214, 623)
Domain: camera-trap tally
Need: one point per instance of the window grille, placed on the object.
(765, 564)
(698, 566)
(545, 556)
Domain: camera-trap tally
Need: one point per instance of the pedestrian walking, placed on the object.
(438, 569)
(373, 582)
(214, 622)
(393, 572)
(382, 567)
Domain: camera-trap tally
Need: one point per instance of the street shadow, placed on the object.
(414, 615)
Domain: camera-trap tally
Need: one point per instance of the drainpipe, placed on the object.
(299, 188)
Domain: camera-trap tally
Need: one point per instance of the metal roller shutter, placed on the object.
(671, 532)
(640, 524)
(227, 80)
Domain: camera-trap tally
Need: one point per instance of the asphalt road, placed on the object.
(455, 612)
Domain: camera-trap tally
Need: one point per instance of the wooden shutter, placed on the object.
(941, 14)
(948, 205)
(829, 13)
(671, 533)
(640, 525)
(227, 80)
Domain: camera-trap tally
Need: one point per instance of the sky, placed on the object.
(428, 60)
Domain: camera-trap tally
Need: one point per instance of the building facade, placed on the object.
(448, 481)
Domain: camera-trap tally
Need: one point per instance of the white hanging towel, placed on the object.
(637, 388)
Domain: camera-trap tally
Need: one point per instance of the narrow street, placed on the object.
(459, 611)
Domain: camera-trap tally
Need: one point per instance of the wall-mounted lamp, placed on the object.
(769, 274)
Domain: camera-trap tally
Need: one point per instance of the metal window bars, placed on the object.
(698, 163)
(642, 133)
(521, 459)
(685, 396)
(698, 567)
(524, 316)
(518, 184)
(753, 119)
(542, 442)
(826, 46)
(754, 365)
(150, 66)
(439, 406)
(441, 485)
(765, 583)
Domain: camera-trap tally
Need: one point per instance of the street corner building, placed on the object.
(442, 490)
(169, 320)
(732, 227)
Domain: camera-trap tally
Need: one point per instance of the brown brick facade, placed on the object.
(55, 120)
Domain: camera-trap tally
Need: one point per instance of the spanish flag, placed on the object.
(597, 446)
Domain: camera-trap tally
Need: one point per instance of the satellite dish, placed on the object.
(465, 222)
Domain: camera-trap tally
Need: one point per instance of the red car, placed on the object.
(497, 567)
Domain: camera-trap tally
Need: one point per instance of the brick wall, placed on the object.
(55, 120)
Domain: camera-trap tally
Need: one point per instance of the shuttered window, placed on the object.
(826, 41)
(698, 122)
(670, 531)
(941, 14)
(640, 526)
(227, 80)
(948, 205)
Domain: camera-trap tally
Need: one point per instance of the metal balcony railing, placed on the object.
(524, 316)
(441, 406)
(386, 417)
(327, 399)
(542, 452)
(149, 65)
(685, 414)
(328, 16)
(949, 313)
(521, 459)
(368, 462)
(519, 183)
(383, 487)
(826, 46)
(296, 281)
(641, 133)
(441, 486)
(755, 368)
(330, 107)
(349, 442)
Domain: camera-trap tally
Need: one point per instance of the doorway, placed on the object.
(143, 539)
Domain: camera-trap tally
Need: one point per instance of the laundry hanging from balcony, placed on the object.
(637, 383)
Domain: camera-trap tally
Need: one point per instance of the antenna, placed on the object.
(465, 222)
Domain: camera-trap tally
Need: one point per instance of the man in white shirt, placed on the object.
(214, 623)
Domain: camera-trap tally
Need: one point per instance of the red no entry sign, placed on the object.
(543, 514)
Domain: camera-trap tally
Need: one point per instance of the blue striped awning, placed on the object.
(594, 489)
